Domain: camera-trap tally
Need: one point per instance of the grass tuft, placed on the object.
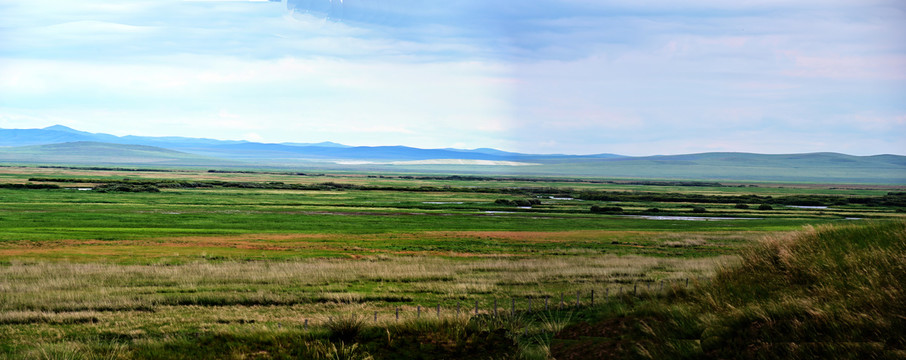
(345, 328)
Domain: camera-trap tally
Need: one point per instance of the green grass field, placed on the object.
(279, 265)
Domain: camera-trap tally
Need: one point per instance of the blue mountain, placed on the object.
(246, 150)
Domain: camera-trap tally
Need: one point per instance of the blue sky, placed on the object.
(633, 77)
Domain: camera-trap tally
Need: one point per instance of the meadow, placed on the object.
(126, 263)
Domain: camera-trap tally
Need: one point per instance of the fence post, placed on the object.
(606, 293)
(375, 316)
(476, 307)
(635, 287)
(419, 315)
(397, 313)
(577, 298)
(513, 307)
(529, 304)
(546, 301)
(306, 325)
(592, 297)
(687, 282)
(495, 308)
(661, 286)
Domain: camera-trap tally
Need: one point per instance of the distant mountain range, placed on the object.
(246, 150)
(59, 145)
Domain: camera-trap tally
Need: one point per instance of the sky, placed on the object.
(631, 77)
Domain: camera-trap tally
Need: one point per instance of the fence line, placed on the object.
(529, 298)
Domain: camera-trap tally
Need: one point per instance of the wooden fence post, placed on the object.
(530, 305)
(546, 301)
(577, 298)
(592, 297)
(419, 315)
(495, 308)
(438, 310)
(306, 325)
(476, 307)
(375, 316)
(397, 313)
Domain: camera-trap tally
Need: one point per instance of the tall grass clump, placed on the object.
(345, 328)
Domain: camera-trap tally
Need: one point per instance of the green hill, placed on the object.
(98, 153)
(815, 167)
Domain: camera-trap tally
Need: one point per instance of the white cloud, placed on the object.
(566, 76)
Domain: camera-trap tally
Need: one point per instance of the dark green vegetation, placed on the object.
(244, 264)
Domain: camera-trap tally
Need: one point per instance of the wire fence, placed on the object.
(527, 304)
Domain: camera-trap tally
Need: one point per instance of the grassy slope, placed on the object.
(97, 153)
(830, 292)
(819, 167)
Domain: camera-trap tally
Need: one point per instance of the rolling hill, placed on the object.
(98, 153)
(62, 145)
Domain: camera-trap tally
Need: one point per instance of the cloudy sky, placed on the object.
(633, 77)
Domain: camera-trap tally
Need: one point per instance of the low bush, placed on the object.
(118, 187)
(606, 209)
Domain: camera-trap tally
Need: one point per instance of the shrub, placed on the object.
(119, 187)
(741, 206)
(522, 202)
(606, 209)
(699, 210)
(765, 207)
(518, 202)
(29, 186)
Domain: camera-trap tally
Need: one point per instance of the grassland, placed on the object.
(280, 265)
